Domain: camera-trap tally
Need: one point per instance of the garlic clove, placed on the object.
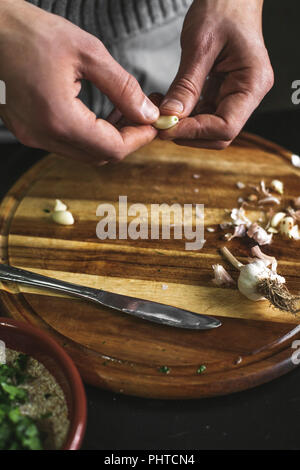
(295, 159)
(259, 234)
(294, 233)
(277, 218)
(222, 277)
(166, 122)
(63, 217)
(286, 226)
(59, 206)
(277, 186)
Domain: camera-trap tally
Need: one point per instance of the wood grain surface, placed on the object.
(124, 354)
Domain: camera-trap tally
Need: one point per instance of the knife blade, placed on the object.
(144, 309)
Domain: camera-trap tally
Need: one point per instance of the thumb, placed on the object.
(185, 91)
(121, 87)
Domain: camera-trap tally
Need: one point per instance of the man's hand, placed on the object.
(221, 39)
(43, 59)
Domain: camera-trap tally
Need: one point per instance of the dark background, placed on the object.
(282, 34)
(267, 417)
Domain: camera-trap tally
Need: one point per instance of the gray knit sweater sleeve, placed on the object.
(112, 20)
(142, 35)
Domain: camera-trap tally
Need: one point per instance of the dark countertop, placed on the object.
(266, 417)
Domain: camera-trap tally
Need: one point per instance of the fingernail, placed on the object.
(149, 110)
(171, 105)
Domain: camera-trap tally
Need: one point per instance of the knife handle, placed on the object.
(12, 274)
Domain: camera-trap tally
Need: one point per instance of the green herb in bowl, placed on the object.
(33, 412)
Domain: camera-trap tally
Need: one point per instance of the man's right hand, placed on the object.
(43, 59)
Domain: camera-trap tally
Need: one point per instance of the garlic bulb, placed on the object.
(251, 274)
(258, 282)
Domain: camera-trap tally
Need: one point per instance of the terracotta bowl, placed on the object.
(32, 341)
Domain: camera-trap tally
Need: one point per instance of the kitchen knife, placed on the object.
(144, 309)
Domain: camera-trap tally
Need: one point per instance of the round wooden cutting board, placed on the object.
(124, 354)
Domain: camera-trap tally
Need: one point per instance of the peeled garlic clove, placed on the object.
(294, 233)
(286, 226)
(59, 206)
(277, 218)
(277, 186)
(63, 217)
(295, 159)
(165, 122)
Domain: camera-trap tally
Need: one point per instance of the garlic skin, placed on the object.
(222, 277)
(259, 234)
(251, 274)
(238, 215)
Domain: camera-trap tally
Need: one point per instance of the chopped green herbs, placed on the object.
(164, 370)
(13, 393)
(33, 409)
(201, 369)
(16, 430)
